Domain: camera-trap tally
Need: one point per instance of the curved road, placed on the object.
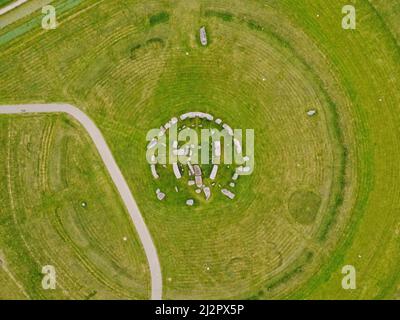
(116, 175)
(12, 6)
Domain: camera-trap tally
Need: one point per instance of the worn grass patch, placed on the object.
(226, 16)
(304, 206)
(158, 18)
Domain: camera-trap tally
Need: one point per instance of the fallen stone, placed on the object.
(228, 129)
(190, 202)
(154, 171)
(160, 195)
(199, 181)
(207, 192)
(214, 172)
(162, 131)
(238, 146)
(190, 167)
(227, 193)
(176, 171)
(197, 170)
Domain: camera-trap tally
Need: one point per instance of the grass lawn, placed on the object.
(59, 207)
(324, 192)
(3, 3)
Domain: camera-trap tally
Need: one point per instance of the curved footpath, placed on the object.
(11, 6)
(116, 175)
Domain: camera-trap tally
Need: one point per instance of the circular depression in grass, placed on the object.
(304, 206)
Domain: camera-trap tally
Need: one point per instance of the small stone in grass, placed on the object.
(160, 195)
(311, 112)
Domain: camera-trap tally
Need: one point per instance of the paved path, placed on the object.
(116, 175)
(11, 6)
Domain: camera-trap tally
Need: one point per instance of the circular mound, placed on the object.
(304, 206)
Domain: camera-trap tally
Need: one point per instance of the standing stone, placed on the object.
(227, 193)
(160, 195)
(207, 192)
(203, 36)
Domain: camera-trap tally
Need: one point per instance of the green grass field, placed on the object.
(3, 3)
(324, 192)
(47, 176)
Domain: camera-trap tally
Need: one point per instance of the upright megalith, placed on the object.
(197, 176)
(228, 193)
(185, 166)
(203, 36)
(177, 172)
(154, 171)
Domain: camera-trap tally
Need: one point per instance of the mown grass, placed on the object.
(3, 3)
(161, 17)
(252, 246)
(46, 178)
(226, 16)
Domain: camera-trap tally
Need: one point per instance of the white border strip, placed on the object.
(12, 6)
